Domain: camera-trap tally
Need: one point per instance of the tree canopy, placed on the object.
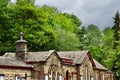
(39, 24)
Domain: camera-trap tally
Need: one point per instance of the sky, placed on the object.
(97, 12)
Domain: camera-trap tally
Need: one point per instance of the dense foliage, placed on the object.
(104, 45)
(46, 28)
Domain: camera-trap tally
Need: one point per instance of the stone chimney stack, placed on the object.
(21, 48)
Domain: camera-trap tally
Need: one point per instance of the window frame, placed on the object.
(2, 76)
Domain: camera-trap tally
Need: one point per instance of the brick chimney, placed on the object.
(21, 48)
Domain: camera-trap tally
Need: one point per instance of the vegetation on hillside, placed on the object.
(47, 28)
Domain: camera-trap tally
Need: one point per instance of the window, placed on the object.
(67, 75)
(58, 76)
(2, 76)
(53, 75)
(17, 77)
(46, 77)
(91, 78)
(103, 76)
(89, 75)
(7, 76)
(96, 76)
(50, 74)
(86, 73)
(11, 76)
(81, 77)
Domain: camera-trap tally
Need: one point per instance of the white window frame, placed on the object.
(81, 77)
(17, 77)
(60, 77)
(46, 77)
(92, 78)
(2, 76)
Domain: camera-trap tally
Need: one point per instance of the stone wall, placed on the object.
(52, 67)
(86, 70)
(12, 73)
(72, 72)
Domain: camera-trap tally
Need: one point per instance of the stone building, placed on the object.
(51, 65)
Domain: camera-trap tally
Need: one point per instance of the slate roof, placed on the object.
(99, 66)
(76, 56)
(13, 62)
(9, 54)
(39, 56)
(33, 56)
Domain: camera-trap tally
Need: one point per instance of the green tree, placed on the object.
(116, 29)
(66, 41)
(74, 19)
(107, 38)
(82, 35)
(3, 10)
(116, 33)
(26, 19)
(24, 2)
(94, 38)
(107, 46)
(37, 23)
(111, 43)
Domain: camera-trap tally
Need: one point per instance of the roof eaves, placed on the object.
(100, 69)
(18, 67)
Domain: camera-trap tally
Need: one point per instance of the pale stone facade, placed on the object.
(15, 74)
(86, 69)
(51, 65)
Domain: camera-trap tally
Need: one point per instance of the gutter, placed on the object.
(16, 67)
